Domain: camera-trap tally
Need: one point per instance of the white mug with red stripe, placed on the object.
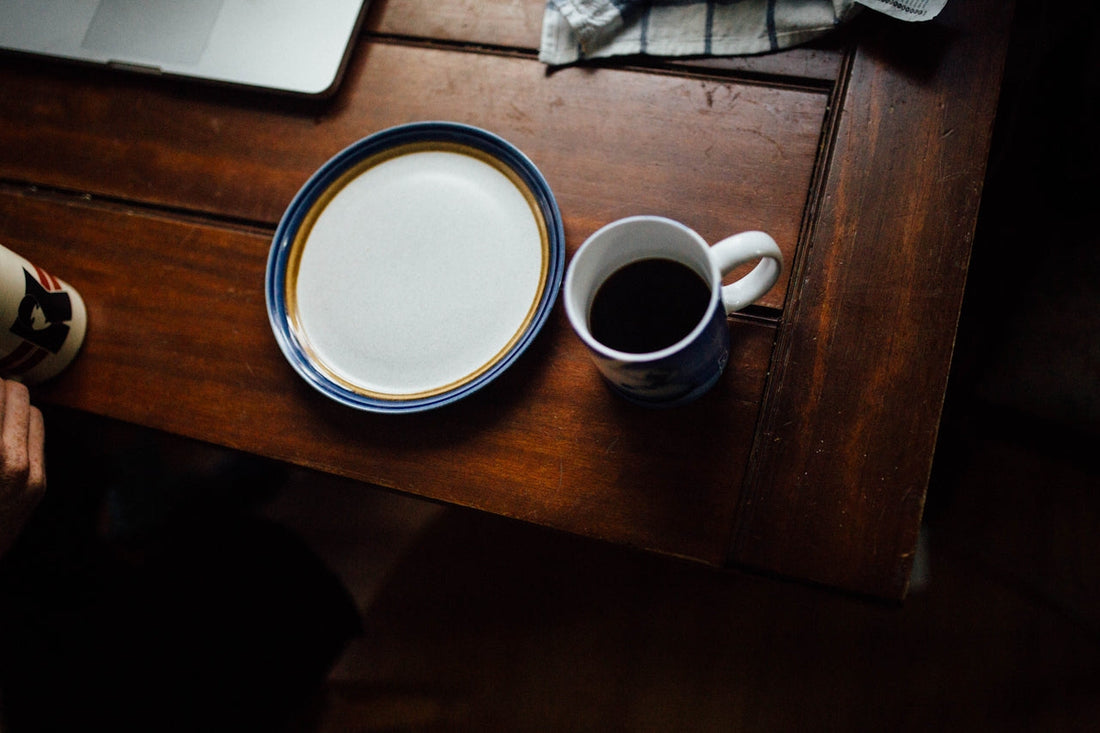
(42, 321)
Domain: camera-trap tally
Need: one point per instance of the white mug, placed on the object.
(42, 321)
(645, 295)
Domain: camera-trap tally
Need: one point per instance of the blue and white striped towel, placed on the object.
(580, 29)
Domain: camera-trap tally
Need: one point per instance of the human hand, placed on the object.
(22, 460)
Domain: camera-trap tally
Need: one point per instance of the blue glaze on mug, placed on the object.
(677, 378)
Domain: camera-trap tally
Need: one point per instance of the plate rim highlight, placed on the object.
(326, 183)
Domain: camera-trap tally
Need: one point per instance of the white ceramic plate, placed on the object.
(414, 267)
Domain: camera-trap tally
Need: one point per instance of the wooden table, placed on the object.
(863, 156)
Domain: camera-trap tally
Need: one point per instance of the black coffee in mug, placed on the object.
(648, 305)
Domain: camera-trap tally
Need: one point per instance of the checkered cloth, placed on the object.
(573, 30)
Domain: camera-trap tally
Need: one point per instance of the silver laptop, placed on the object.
(295, 46)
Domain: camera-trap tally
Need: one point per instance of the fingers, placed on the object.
(22, 465)
(36, 454)
(22, 442)
(15, 428)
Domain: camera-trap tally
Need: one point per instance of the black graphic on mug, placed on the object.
(42, 315)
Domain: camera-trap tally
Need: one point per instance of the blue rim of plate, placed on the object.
(320, 185)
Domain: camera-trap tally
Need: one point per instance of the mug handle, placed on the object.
(742, 248)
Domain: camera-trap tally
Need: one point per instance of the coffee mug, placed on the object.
(42, 321)
(645, 295)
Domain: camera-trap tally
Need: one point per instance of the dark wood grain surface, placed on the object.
(741, 157)
(864, 158)
(865, 347)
